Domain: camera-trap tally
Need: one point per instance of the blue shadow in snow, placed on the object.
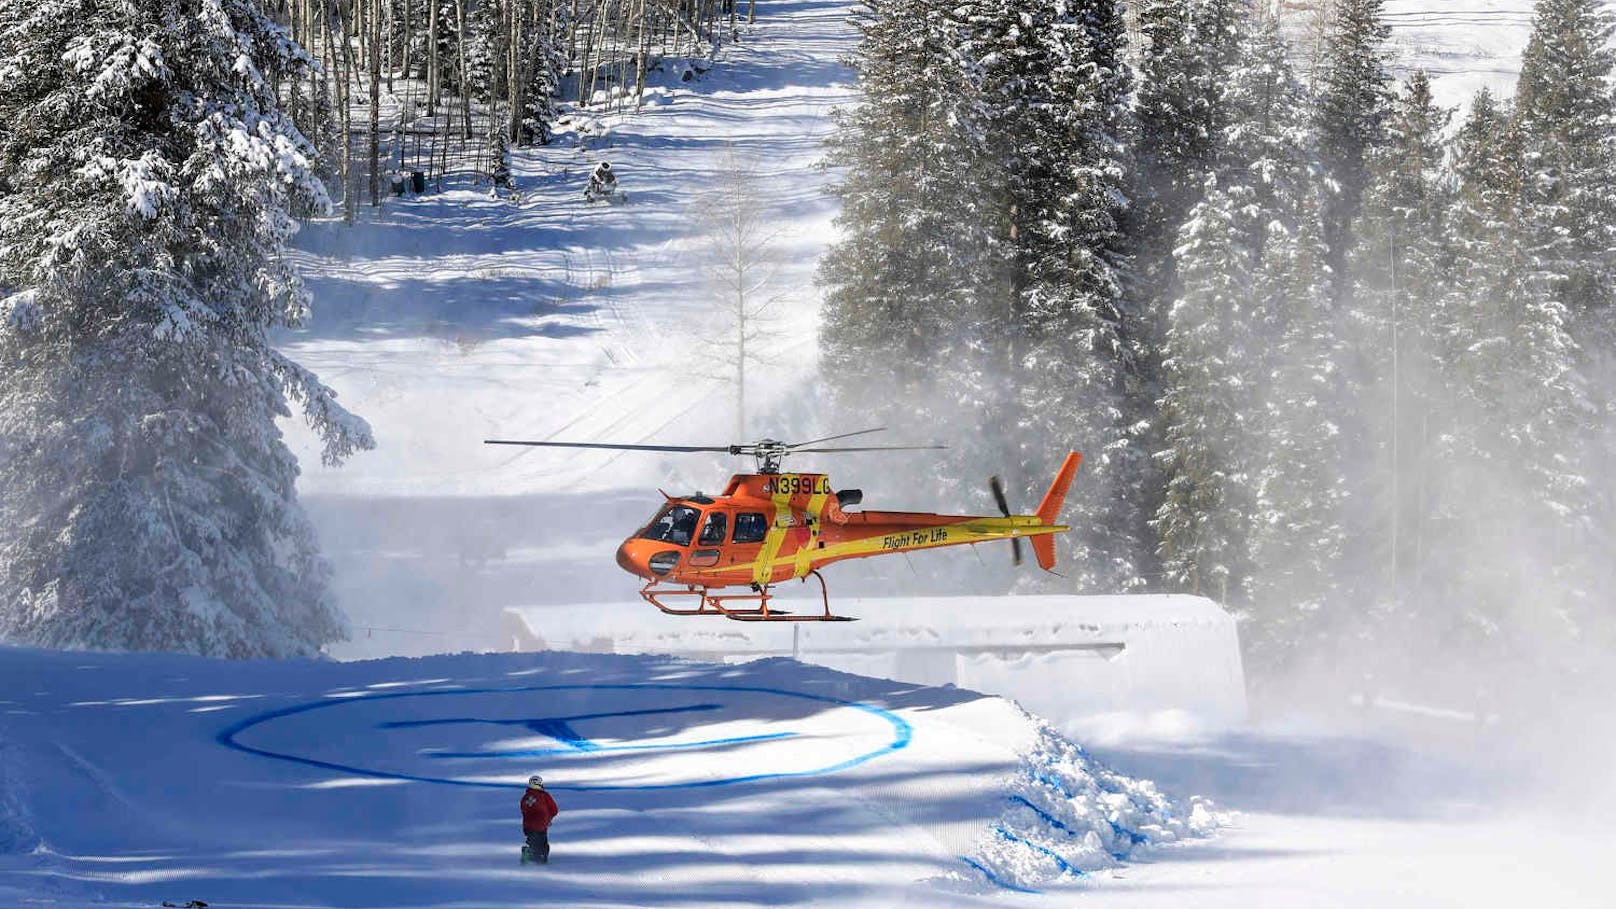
(560, 729)
(901, 735)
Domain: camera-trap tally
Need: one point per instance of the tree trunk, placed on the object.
(460, 52)
(433, 72)
(515, 77)
(375, 102)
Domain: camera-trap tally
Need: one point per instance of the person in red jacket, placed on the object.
(538, 810)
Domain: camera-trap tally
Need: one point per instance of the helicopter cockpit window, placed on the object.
(750, 527)
(712, 533)
(676, 524)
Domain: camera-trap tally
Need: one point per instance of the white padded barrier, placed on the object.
(1069, 659)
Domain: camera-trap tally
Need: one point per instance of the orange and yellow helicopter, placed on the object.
(767, 527)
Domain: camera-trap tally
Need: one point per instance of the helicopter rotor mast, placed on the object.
(769, 453)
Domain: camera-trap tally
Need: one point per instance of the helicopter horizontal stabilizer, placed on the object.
(1043, 547)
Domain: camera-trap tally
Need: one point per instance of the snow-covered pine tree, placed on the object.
(1188, 48)
(1354, 90)
(1066, 172)
(1209, 406)
(985, 178)
(1565, 111)
(1511, 556)
(487, 49)
(1400, 266)
(145, 201)
(543, 63)
(1296, 486)
(906, 282)
(1299, 536)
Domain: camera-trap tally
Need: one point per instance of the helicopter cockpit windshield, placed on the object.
(676, 524)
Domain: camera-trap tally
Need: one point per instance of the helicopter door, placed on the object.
(751, 528)
(709, 543)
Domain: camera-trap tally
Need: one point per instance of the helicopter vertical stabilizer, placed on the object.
(1043, 547)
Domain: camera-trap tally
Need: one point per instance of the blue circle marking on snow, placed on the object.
(572, 743)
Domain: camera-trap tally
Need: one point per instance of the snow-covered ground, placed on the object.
(125, 780)
(1464, 46)
(130, 779)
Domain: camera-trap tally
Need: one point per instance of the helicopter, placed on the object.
(769, 526)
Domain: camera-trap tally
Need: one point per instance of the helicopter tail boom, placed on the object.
(1043, 546)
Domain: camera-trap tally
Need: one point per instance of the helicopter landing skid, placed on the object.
(708, 604)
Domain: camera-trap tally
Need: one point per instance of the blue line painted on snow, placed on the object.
(602, 749)
(1047, 818)
(994, 879)
(560, 729)
(1052, 782)
(1062, 863)
(902, 734)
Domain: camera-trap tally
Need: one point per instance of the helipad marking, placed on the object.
(902, 733)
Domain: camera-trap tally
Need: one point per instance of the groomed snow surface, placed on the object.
(126, 780)
(130, 779)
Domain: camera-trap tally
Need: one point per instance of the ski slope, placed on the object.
(130, 779)
(454, 317)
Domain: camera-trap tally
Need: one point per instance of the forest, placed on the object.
(1337, 356)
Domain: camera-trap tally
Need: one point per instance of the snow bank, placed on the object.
(1077, 661)
(1069, 815)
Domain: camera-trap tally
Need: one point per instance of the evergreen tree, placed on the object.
(1565, 109)
(1354, 93)
(1299, 536)
(1209, 405)
(147, 182)
(1189, 47)
(985, 182)
(902, 281)
(1295, 484)
(1068, 184)
(1400, 269)
(1511, 504)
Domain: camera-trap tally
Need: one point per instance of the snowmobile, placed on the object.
(610, 193)
(603, 185)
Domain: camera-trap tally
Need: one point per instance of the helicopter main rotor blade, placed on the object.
(870, 448)
(845, 435)
(726, 449)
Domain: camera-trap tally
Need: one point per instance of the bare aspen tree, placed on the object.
(375, 13)
(433, 73)
(603, 49)
(738, 255)
(338, 34)
(514, 77)
(460, 74)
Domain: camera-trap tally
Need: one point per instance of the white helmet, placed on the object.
(535, 782)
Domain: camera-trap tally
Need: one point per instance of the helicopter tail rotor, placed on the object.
(997, 486)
